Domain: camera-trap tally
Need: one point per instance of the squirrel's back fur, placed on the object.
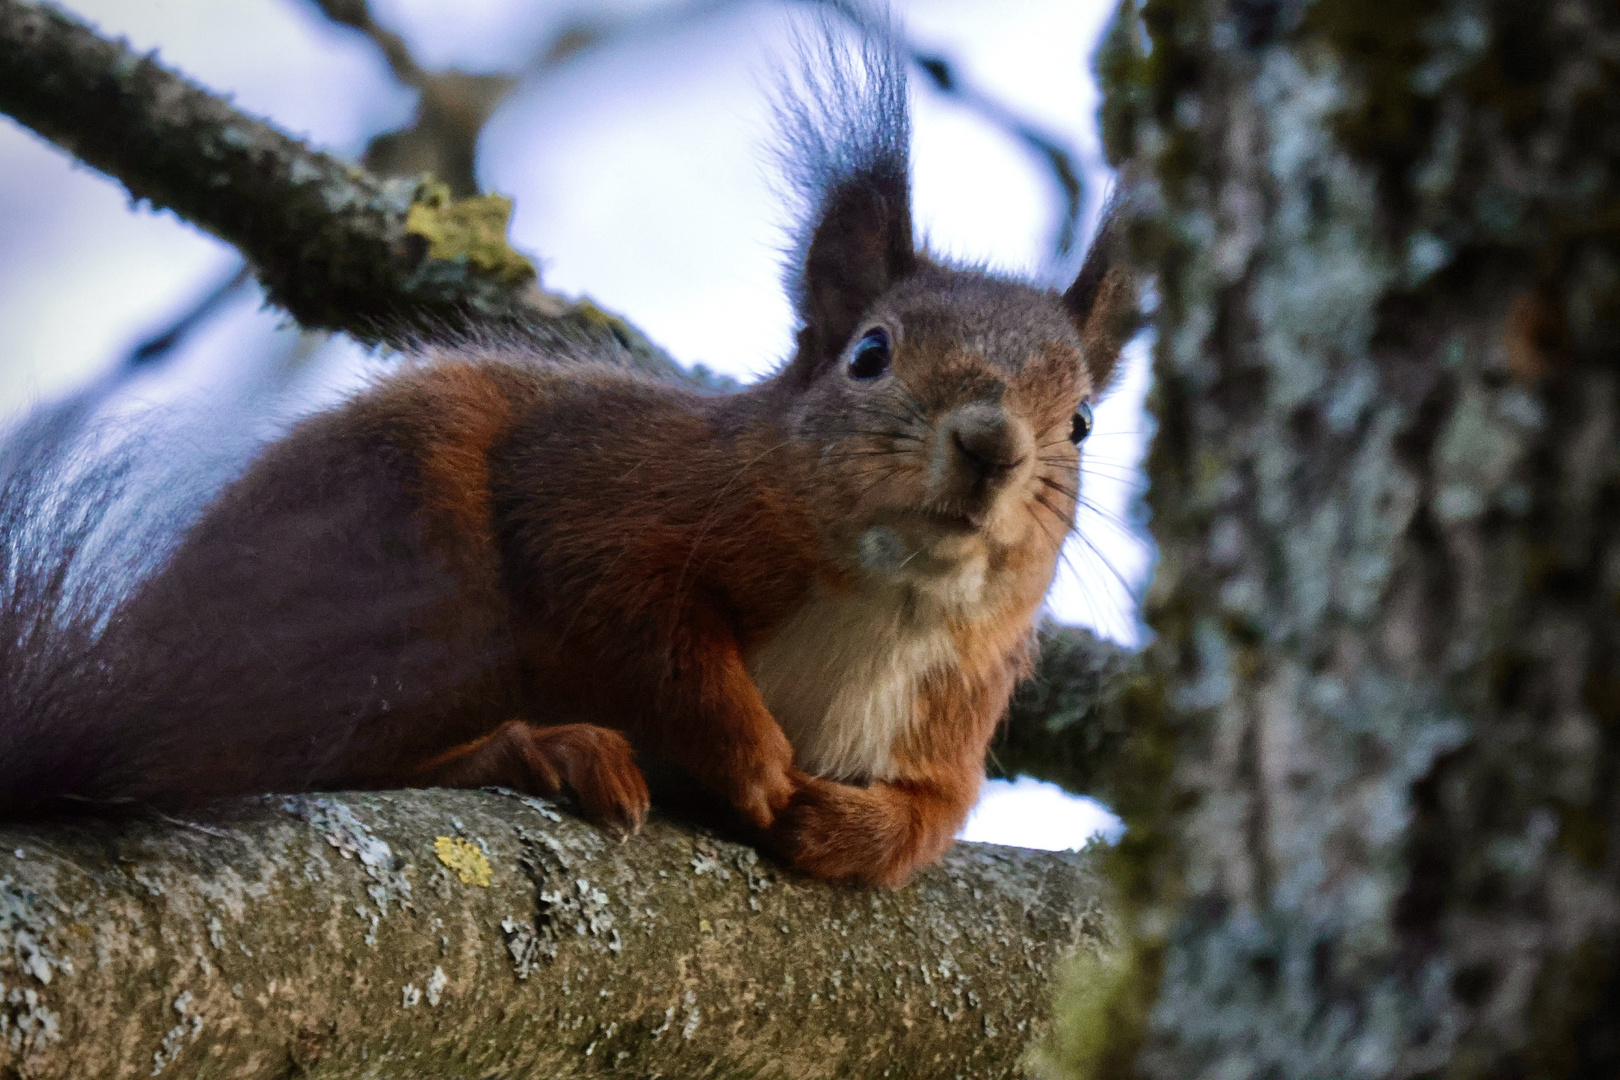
(510, 564)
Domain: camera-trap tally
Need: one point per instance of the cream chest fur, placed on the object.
(842, 676)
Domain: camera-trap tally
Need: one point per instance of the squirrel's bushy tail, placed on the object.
(56, 506)
(282, 639)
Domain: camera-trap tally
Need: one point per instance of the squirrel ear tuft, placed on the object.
(844, 149)
(1104, 300)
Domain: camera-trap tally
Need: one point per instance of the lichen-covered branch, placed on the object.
(328, 241)
(452, 933)
(335, 246)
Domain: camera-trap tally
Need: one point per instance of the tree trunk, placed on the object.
(438, 934)
(1376, 829)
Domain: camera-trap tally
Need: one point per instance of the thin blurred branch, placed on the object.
(583, 34)
(338, 248)
(357, 14)
(443, 137)
(1064, 726)
(154, 349)
(451, 108)
(947, 79)
(1056, 159)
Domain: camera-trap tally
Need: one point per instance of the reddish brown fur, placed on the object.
(648, 542)
(644, 568)
(597, 765)
(467, 412)
(641, 561)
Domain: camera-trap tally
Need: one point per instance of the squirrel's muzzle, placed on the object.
(981, 449)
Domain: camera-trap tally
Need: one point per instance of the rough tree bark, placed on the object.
(1374, 810)
(448, 934)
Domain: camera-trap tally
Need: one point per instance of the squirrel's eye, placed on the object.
(1082, 424)
(870, 357)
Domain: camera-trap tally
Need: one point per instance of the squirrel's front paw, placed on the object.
(838, 832)
(599, 766)
(755, 775)
(762, 793)
(596, 764)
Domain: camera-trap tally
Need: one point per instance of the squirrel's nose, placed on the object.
(986, 441)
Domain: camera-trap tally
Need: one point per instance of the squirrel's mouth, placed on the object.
(950, 524)
(923, 541)
(942, 554)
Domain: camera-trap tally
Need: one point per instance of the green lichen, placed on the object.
(1121, 66)
(588, 313)
(1149, 58)
(471, 231)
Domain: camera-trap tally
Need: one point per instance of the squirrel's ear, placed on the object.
(1104, 300)
(860, 246)
(844, 150)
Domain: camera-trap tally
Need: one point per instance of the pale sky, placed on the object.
(639, 179)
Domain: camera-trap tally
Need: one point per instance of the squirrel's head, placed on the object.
(946, 407)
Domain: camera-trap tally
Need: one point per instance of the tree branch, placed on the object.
(1063, 726)
(453, 933)
(335, 246)
(451, 108)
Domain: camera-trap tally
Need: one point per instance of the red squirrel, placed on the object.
(523, 564)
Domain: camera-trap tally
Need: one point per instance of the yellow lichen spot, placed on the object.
(594, 315)
(705, 927)
(470, 229)
(464, 860)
